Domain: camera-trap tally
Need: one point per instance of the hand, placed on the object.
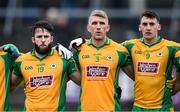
(64, 51)
(171, 83)
(76, 43)
(11, 49)
(119, 91)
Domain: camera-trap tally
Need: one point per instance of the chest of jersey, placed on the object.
(98, 63)
(149, 60)
(41, 74)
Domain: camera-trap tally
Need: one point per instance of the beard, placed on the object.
(42, 50)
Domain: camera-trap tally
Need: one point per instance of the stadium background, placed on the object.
(70, 18)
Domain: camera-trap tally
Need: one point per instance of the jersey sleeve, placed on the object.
(72, 66)
(10, 60)
(124, 56)
(17, 68)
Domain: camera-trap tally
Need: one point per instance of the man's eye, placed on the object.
(144, 24)
(151, 24)
(102, 23)
(46, 36)
(39, 36)
(94, 23)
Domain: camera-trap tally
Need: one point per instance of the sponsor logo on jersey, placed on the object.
(148, 67)
(41, 81)
(97, 71)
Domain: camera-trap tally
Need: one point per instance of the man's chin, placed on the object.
(148, 37)
(99, 37)
(42, 50)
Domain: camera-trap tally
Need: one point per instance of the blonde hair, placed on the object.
(99, 13)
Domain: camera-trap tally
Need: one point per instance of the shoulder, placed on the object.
(132, 41)
(171, 43)
(24, 57)
(118, 46)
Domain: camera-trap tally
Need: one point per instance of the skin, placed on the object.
(149, 27)
(42, 38)
(98, 27)
(177, 84)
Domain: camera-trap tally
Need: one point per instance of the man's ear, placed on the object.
(108, 28)
(159, 27)
(140, 28)
(33, 40)
(88, 28)
(52, 38)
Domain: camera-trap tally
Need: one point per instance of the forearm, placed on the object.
(14, 82)
(129, 71)
(177, 83)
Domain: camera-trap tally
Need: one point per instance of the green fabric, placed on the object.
(139, 109)
(167, 101)
(17, 69)
(150, 45)
(76, 58)
(107, 42)
(8, 62)
(63, 85)
(51, 52)
(117, 106)
(71, 66)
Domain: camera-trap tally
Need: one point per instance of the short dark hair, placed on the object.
(150, 14)
(43, 24)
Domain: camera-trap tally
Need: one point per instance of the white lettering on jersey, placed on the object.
(41, 81)
(97, 71)
(148, 67)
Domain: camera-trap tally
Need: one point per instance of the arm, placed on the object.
(177, 83)
(129, 71)
(76, 77)
(15, 81)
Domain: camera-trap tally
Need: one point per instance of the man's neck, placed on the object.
(99, 42)
(40, 55)
(150, 41)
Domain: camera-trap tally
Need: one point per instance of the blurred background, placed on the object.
(69, 18)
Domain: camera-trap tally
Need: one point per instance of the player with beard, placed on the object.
(8, 54)
(44, 71)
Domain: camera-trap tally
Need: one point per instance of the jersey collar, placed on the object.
(107, 41)
(158, 40)
(51, 52)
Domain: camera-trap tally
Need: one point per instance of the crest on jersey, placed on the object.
(109, 58)
(53, 65)
(159, 54)
(97, 71)
(148, 67)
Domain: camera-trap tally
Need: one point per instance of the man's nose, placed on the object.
(98, 26)
(148, 26)
(43, 39)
